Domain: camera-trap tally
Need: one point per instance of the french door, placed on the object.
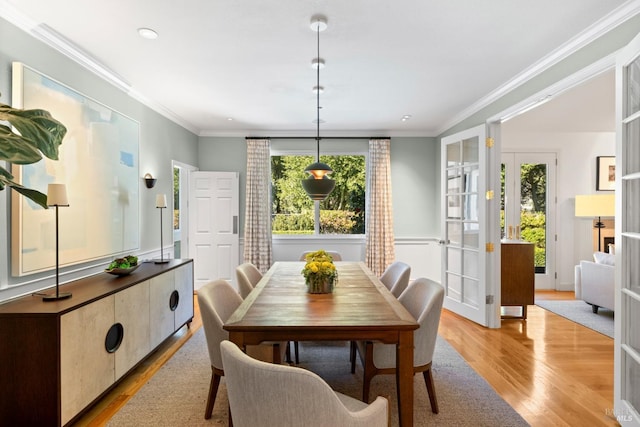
(528, 208)
(627, 188)
(465, 252)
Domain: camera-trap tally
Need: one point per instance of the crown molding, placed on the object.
(53, 39)
(600, 28)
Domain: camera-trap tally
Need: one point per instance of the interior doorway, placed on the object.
(180, 173)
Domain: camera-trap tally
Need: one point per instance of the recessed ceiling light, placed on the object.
(406, 117)
(230, 119)
(147, 33)
(317, 88)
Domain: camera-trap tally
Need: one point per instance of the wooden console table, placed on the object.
(517, 269)
(58, 358)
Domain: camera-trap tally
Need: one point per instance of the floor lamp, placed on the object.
(596, 206)
(57, 197)
(161, 203)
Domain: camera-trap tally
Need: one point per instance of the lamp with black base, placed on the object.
(596, 206)
(161, 203)
(57, 196)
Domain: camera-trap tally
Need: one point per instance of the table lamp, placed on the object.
(161, 203)
(57, 196)
(596, 206)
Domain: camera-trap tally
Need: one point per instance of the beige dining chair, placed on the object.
(267, 395)
(396, 277)
(335, 255)
(248, 277)
(423, 299)
(217, 301)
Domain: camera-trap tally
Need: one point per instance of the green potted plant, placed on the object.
(38, 134)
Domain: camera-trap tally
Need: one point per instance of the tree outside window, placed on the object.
(342, 212)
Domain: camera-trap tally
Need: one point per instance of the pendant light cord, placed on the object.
(318, 96)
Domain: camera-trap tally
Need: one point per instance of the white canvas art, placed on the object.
(99, 163)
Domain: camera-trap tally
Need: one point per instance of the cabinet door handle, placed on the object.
(235, 224)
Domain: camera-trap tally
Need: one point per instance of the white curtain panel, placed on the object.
(379, 222)
(257, 217)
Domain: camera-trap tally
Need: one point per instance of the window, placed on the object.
(342, 212)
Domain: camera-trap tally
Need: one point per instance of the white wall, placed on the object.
(576, 174)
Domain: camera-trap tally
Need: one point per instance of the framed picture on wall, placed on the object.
(605, 173)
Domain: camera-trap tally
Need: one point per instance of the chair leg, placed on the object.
(213, 391)
(287, 353)
(431, 389)
(295, 350)
(352, 357)
(276, 357)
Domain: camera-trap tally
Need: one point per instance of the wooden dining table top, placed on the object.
(359, 302)
(360, 308)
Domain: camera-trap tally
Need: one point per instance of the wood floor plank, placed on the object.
(551, 370)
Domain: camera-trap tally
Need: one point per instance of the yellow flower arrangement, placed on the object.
(319, 272)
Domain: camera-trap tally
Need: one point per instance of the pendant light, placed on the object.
(318, 185)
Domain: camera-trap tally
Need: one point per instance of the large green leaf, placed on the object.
(34, 195)
(37, 128)
(15, 149)
(37, 134)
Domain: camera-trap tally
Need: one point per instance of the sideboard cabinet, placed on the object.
(57, 358)
(518, 275)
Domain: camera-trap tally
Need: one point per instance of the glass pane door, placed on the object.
(627, 190)
(464, 177)
(528, 208)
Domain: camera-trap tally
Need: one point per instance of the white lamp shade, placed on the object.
(591, 205)
(57, 195)
(161, 201)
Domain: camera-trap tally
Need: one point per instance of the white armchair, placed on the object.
(268, 395)
(595, 281)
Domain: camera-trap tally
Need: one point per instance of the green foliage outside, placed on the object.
(533, 196)
(342, 212)
(176, 198)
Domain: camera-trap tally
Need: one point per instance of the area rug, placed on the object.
(580, 312)
(177, 394)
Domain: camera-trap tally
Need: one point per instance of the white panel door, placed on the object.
(213, 231)
(464, 224)
(627, 190)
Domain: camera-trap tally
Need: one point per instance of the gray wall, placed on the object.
(414, 176)
(161, 140)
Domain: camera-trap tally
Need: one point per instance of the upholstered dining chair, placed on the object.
(248, 277)
(396, 277)
(217, 301)
(267, 395)
(335, 255)
(423, 299)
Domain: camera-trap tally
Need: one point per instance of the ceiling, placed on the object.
(229, 67)
(588, 107)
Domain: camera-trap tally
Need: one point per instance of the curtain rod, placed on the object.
(313, 137)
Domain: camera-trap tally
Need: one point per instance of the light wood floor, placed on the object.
(550, 370)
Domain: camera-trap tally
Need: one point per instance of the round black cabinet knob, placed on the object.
(114, 337)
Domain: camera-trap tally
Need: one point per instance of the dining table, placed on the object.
(360, 308)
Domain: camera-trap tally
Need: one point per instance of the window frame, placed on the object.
(280, 150)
